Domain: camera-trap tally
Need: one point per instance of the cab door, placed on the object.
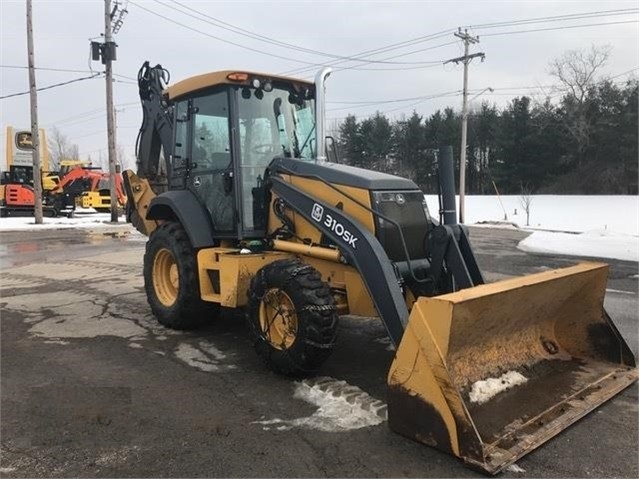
(208, 169)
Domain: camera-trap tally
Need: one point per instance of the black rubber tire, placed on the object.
(188, 311)
(317, 319)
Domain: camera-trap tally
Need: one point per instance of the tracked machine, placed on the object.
(243, 210)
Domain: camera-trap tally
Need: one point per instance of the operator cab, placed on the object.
(228, 127)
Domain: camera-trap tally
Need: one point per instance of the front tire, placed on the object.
(292, 317)
(171, 279)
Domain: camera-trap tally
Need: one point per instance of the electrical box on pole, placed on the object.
(106, 52)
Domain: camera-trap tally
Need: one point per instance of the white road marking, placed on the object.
(610, 290)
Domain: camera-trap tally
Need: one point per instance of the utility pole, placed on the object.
(35, 132)
(108, 55)
(466, 59)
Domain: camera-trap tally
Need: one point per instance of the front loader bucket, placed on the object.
(489, 373)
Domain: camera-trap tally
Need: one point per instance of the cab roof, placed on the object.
(207, 80)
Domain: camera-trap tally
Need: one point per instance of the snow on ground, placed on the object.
(83, 218)
(515, 469)
(567, 213)
(482, 391)
(341, 407)
(602, 244)
(601, 226)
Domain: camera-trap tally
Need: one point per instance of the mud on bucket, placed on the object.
(491, 372)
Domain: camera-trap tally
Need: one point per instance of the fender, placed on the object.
(183, 206)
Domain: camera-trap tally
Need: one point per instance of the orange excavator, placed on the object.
(85, 187)
(17, 196)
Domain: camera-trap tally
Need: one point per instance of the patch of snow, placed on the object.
(94, 220)
(484, 390)
(5, 470)
(598, 243)
(205, 358)
(211, 350)
(515, 469)
(341, 407)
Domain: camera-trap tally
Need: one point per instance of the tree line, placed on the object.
(583, 142)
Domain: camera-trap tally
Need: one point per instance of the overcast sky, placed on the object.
(515, 63)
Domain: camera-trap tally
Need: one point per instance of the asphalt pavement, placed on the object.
(93, 386)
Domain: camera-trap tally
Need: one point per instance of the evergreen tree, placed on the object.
(350, 141)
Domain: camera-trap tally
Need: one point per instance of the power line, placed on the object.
(397, 100)
(523, 21)
(313, 64)
(439, 63)
(88, 115)
(512, 32)
(52, 86)
(262, 38)
(394, 46)
(219, 38)
(66, 70)
(419, 99)
(556, 18)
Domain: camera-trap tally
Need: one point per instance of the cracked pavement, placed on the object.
(93, 386)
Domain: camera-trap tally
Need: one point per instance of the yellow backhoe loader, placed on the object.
(243, 209)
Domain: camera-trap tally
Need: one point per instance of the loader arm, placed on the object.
(360, 248)
(452, 264)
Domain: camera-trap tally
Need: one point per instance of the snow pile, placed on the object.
(601, 244)
(341, 407)
(484, 390)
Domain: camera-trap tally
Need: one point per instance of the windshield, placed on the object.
(276, 123)
(280, 122)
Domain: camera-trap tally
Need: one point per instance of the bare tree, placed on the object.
(61, 148)
(576, 71)
(526, 200)
(121, 160)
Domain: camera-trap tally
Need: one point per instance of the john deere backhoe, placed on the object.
(242, 209)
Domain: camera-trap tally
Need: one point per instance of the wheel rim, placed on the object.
(278, 319)
(166, 278)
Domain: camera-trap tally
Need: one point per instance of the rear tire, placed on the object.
(292, 317)
(171, 279)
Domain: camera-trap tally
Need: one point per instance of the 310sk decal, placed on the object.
(318, 215)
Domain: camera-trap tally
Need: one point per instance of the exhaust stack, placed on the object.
(320, 113)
